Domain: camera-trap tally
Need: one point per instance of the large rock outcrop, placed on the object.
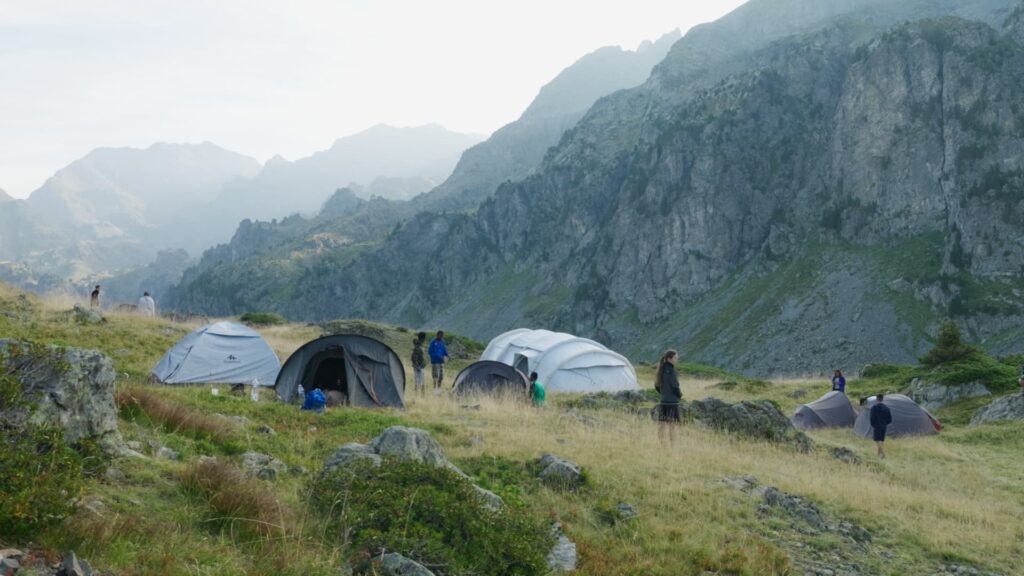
(71, 388)
(757, 419)
(403, 444)
(935, 395)
(1007, 408)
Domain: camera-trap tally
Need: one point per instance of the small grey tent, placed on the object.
(833, 410)
(490, 377)
(365, 370)
(221, 353)
(908, 419)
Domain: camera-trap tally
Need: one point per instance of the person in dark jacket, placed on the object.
(94, 297)
(666, 381)
(418, 361)
(438, 353)
(881, 417)
(839, 382)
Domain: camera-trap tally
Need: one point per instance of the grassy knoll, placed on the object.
(956, 497)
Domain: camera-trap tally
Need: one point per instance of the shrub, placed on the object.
(880, 370)
(949, 347)
(39, 472)
(262, 319)
(432, 515)
(507, 478)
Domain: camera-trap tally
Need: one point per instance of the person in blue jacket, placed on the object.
(881, 417)
(438, 353)
(839, 382)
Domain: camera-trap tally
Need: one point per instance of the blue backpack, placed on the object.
(315, 400)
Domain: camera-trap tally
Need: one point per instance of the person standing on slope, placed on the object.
(438, 353)
(666, 381)
(147, 306)
(839, 382)
(418, 361)
(881, 417)
(94, 298)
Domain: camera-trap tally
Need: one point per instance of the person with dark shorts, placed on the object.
(666, 381)
(438, 353)
(881, 417)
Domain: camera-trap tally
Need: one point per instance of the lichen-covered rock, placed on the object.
(263, 466)
(84, 315)
(562, 557)
(560, 473)
(934, 395)
(1006, 408)
(758, 419)
(72, 388)
(397, 565)
(844, 454)
(411, 444)
(344, 457)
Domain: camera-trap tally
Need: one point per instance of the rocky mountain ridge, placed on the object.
(836, 193)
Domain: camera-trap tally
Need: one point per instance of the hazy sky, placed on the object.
(265, 78)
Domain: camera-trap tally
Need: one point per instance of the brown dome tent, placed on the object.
(833, 410)
(365, 370)
(490, 377)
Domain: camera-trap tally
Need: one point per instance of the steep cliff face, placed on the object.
(816, 170)
(517, 149)
(821, 201)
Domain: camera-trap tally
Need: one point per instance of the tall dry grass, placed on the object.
(174, 416)
(244, 506)
(928, 499)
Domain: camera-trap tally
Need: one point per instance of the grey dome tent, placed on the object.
(908, 418)
(221, 353)
(365, 370)
(833, 410)
(489, 376)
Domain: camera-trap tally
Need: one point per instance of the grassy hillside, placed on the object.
(954, 498)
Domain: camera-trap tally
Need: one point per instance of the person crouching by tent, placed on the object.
(881, 417)
(438, 353)
(418, 361)
(666, 381)
(839, 382)
(315, 401)
(537, 393)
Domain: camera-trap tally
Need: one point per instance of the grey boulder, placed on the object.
(397, 565)
(71, 388)
(1007, 408)
(560, 473)
(409, 444)
(934, 395)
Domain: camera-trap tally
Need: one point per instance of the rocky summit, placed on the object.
(836, 183)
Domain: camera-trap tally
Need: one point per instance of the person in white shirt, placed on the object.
(147, 307)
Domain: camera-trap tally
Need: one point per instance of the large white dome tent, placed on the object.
(563, 362)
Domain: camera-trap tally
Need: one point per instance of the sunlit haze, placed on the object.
(265, 78)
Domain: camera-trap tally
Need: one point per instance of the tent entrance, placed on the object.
(329, 371)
